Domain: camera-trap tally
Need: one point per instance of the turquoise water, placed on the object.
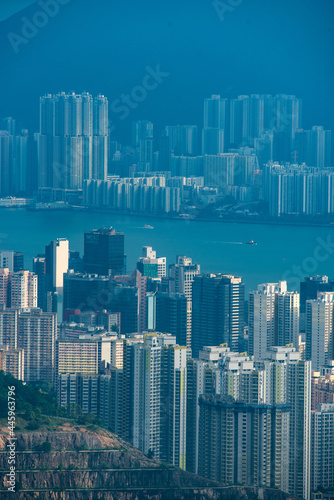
(216, 246)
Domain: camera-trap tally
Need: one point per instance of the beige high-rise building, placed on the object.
(23, 289)
(319, 329)
(12, 361)
(273, 318)
(37, 335)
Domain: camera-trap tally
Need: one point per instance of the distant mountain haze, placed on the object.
(256, 46)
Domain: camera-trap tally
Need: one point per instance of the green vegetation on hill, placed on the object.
(28, 399)
(36, 407)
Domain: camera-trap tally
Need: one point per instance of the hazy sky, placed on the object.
(256, 46)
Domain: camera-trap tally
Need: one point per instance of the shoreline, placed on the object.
(240, 220)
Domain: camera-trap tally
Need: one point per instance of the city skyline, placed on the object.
(166, 249)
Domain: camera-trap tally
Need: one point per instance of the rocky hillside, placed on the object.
(76, 462)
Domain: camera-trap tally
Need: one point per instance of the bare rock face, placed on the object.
(84, 464)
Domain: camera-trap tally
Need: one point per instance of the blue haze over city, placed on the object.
(166, 246)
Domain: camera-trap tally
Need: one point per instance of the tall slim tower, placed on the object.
(56, 259)
(181, 277)
(319, 329)
(56, 264)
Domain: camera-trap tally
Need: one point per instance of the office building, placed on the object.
(13, 261)
(111, 322)
(93, 293)
(310, 287)
(104, 252)
(218, 311)
(150, 265)
(56, 262)
(39, 268)
(171, 315)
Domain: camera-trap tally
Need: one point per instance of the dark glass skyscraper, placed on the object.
(87, 292)
(218, 311)
(171, 315)
(104, 252)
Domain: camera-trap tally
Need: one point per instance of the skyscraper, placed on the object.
(310, 287)
(23, 289)
(37, 336)
(56, 261)
(203, 376)
(215, 125)
(322, 424)
(14, 261)
(72, 143)
(319, 329)
(244, 444)
(218, 311)
(56, 264)
(88, 292)
(104, 252)
(273, 318)
(183, 139)
(151, 265)
(141, 130)
(171, 315)
(174, 405)
(4, 286)
(181, 277)
(314, 147)
(6, 163)
(8, 326)
(299, 398)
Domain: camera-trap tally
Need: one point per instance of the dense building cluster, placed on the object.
(179, 363)
(250, 149)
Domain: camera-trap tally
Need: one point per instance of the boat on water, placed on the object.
(147, 226)
(250, 242)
